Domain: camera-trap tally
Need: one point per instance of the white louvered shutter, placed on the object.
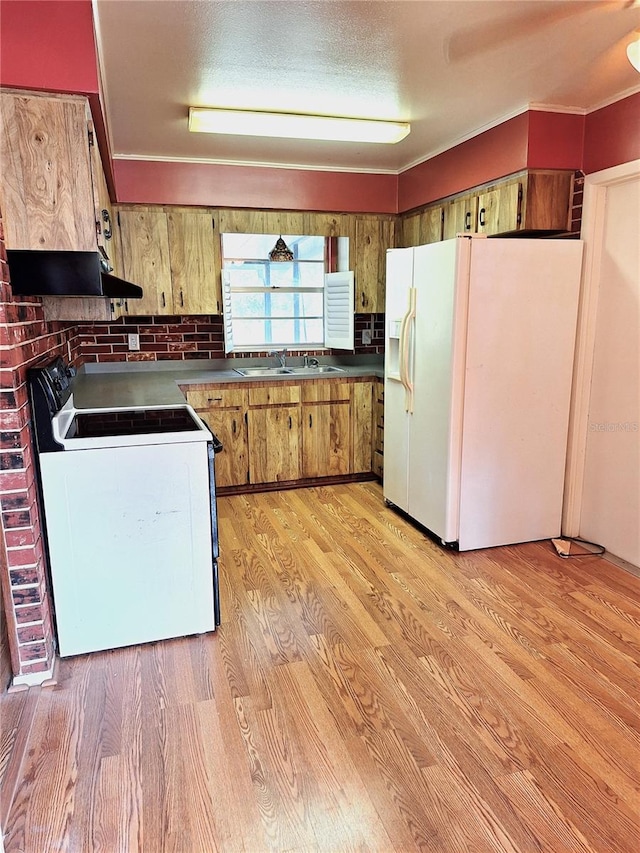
(338, 310)
(226, 311)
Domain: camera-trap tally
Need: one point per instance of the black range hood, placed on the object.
(43, 272)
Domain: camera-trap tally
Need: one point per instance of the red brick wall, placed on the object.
(182, 338)
(25, 341)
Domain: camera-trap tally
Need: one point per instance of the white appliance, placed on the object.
(479, 351)
(130, 513)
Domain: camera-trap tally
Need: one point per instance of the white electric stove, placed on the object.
(131, 523)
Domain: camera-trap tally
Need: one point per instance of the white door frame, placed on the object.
(596, 187)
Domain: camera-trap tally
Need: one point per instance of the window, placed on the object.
(281, 304)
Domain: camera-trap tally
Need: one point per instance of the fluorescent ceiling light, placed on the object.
(633, 52)
(292, 126)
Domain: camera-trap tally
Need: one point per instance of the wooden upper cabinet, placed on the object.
(46, 190)
(499, 208)
(422, 227)
(546, 202)
(460, 216)
(374, 236)
(144, 240)
(194, 254)
(535, 200)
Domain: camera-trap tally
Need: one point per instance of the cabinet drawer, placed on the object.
(271, 395)
(217, 398)
(325, 392)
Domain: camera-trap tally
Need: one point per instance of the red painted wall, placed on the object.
(48, 45)
(534, 140)
(612, 135)
(492, 154)
(555, 140)
(252, 186)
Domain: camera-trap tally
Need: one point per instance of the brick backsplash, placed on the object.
(186, 338)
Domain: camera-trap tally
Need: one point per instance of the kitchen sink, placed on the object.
(320, 368)
(288, 371)
(261, 371)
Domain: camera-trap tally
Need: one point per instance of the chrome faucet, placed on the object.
(281, 356)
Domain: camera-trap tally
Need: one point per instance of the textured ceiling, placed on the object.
(451, 68)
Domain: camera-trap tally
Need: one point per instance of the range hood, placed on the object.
(42, 272)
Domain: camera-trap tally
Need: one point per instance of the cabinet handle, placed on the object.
(467, 221)
(290, 423)
(181, 299)
(310, 421)
(108, 229)
(362, 299)
(481, 216)
(214, 399)
(233, 426)
(164, 301)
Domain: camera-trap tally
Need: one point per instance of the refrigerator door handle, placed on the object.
(404, 350)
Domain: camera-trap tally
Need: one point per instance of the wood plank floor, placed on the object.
(367, 691)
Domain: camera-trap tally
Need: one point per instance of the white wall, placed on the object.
(604, 467)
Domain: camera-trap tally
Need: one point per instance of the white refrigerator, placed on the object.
(479, 351)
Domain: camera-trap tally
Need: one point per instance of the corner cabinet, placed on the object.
(224, 410)
(174, 255)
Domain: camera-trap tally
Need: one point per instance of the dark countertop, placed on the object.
(128, 384)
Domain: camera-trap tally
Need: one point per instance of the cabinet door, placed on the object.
(223, 409)
(145, 258)
(46, 191)
(499, 208)
(431, 221)
(274, 444)
(232, 463)
(378, 428)
(460, 216)
(194, 252)
(325, 439)
(362, 421)
(373, 238)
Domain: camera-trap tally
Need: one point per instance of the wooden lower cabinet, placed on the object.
(274, 444)
(361, 439)
(274, 433)
(286, 432)
(224, 412)
(378, 429)
(326, 425)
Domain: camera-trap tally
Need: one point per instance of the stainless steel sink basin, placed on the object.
(320, 368)
(261, 371)
(288, 371)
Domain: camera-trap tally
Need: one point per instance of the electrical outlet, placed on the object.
(134, 342)
(366, 337)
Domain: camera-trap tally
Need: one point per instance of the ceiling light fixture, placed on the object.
(280, 252)
(633, 53)
(295, 126)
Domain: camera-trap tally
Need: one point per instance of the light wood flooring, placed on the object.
(367, 691)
